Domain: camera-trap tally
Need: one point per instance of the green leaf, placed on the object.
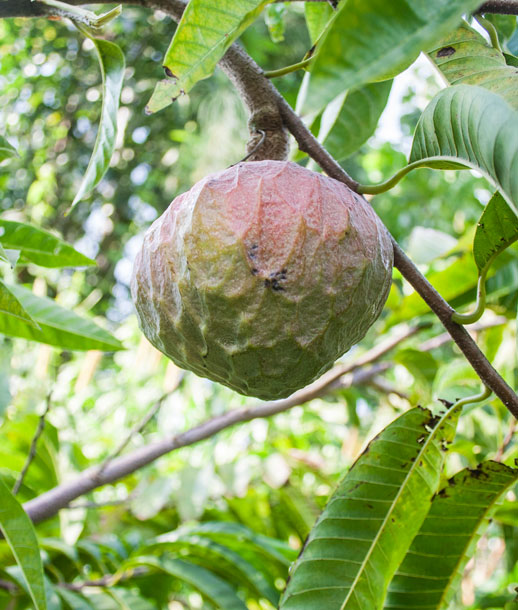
(205, 32)
(58, 326)
(19, 533)
(234, 534)
(373, 39)
(211, 553)
(369, 523)
(426, 244)
(111, 60)
(496, 230)
(318, 15)
(6, 150)
(39, 246)
(351, 119)
(11, 307)
(472, 127)
(216, 590)
(465, 57)
(432, 570)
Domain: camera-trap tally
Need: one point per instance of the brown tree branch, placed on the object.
(500, 7)
(49, 503)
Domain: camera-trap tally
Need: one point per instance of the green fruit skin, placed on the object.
(261, 276)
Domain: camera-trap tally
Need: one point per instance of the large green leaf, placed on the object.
(351, 119)
(433, 567)
(496, 230)
(6, 150)
(11, 307)
(111, 60)
(369, 523)
(206, 30)
(465, 57)
(19, 533)
(39, 246)
(369, 39)
(216, 590)
(469, 126)
(57, 325)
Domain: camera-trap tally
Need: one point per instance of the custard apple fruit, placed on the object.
(261, 276)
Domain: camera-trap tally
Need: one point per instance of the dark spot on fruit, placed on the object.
(273, 284)
(445, 52)
(275, 279)
(253, 251)
(254, 271)
(168, 72)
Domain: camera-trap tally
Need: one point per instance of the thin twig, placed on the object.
(49, 503)
(507, 441)
(7, 585)
(383, 386)
(254, 149)
(34, 446)
(137, 429)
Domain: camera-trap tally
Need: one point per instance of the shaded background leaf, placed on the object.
(39, 246)
(111, 60)
(19, 532)
(57, 325)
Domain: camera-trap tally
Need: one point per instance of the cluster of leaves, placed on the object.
(389, 535)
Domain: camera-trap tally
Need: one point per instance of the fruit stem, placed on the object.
(486, 393)
(293, 68)
(383, 187)
(474, 316)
